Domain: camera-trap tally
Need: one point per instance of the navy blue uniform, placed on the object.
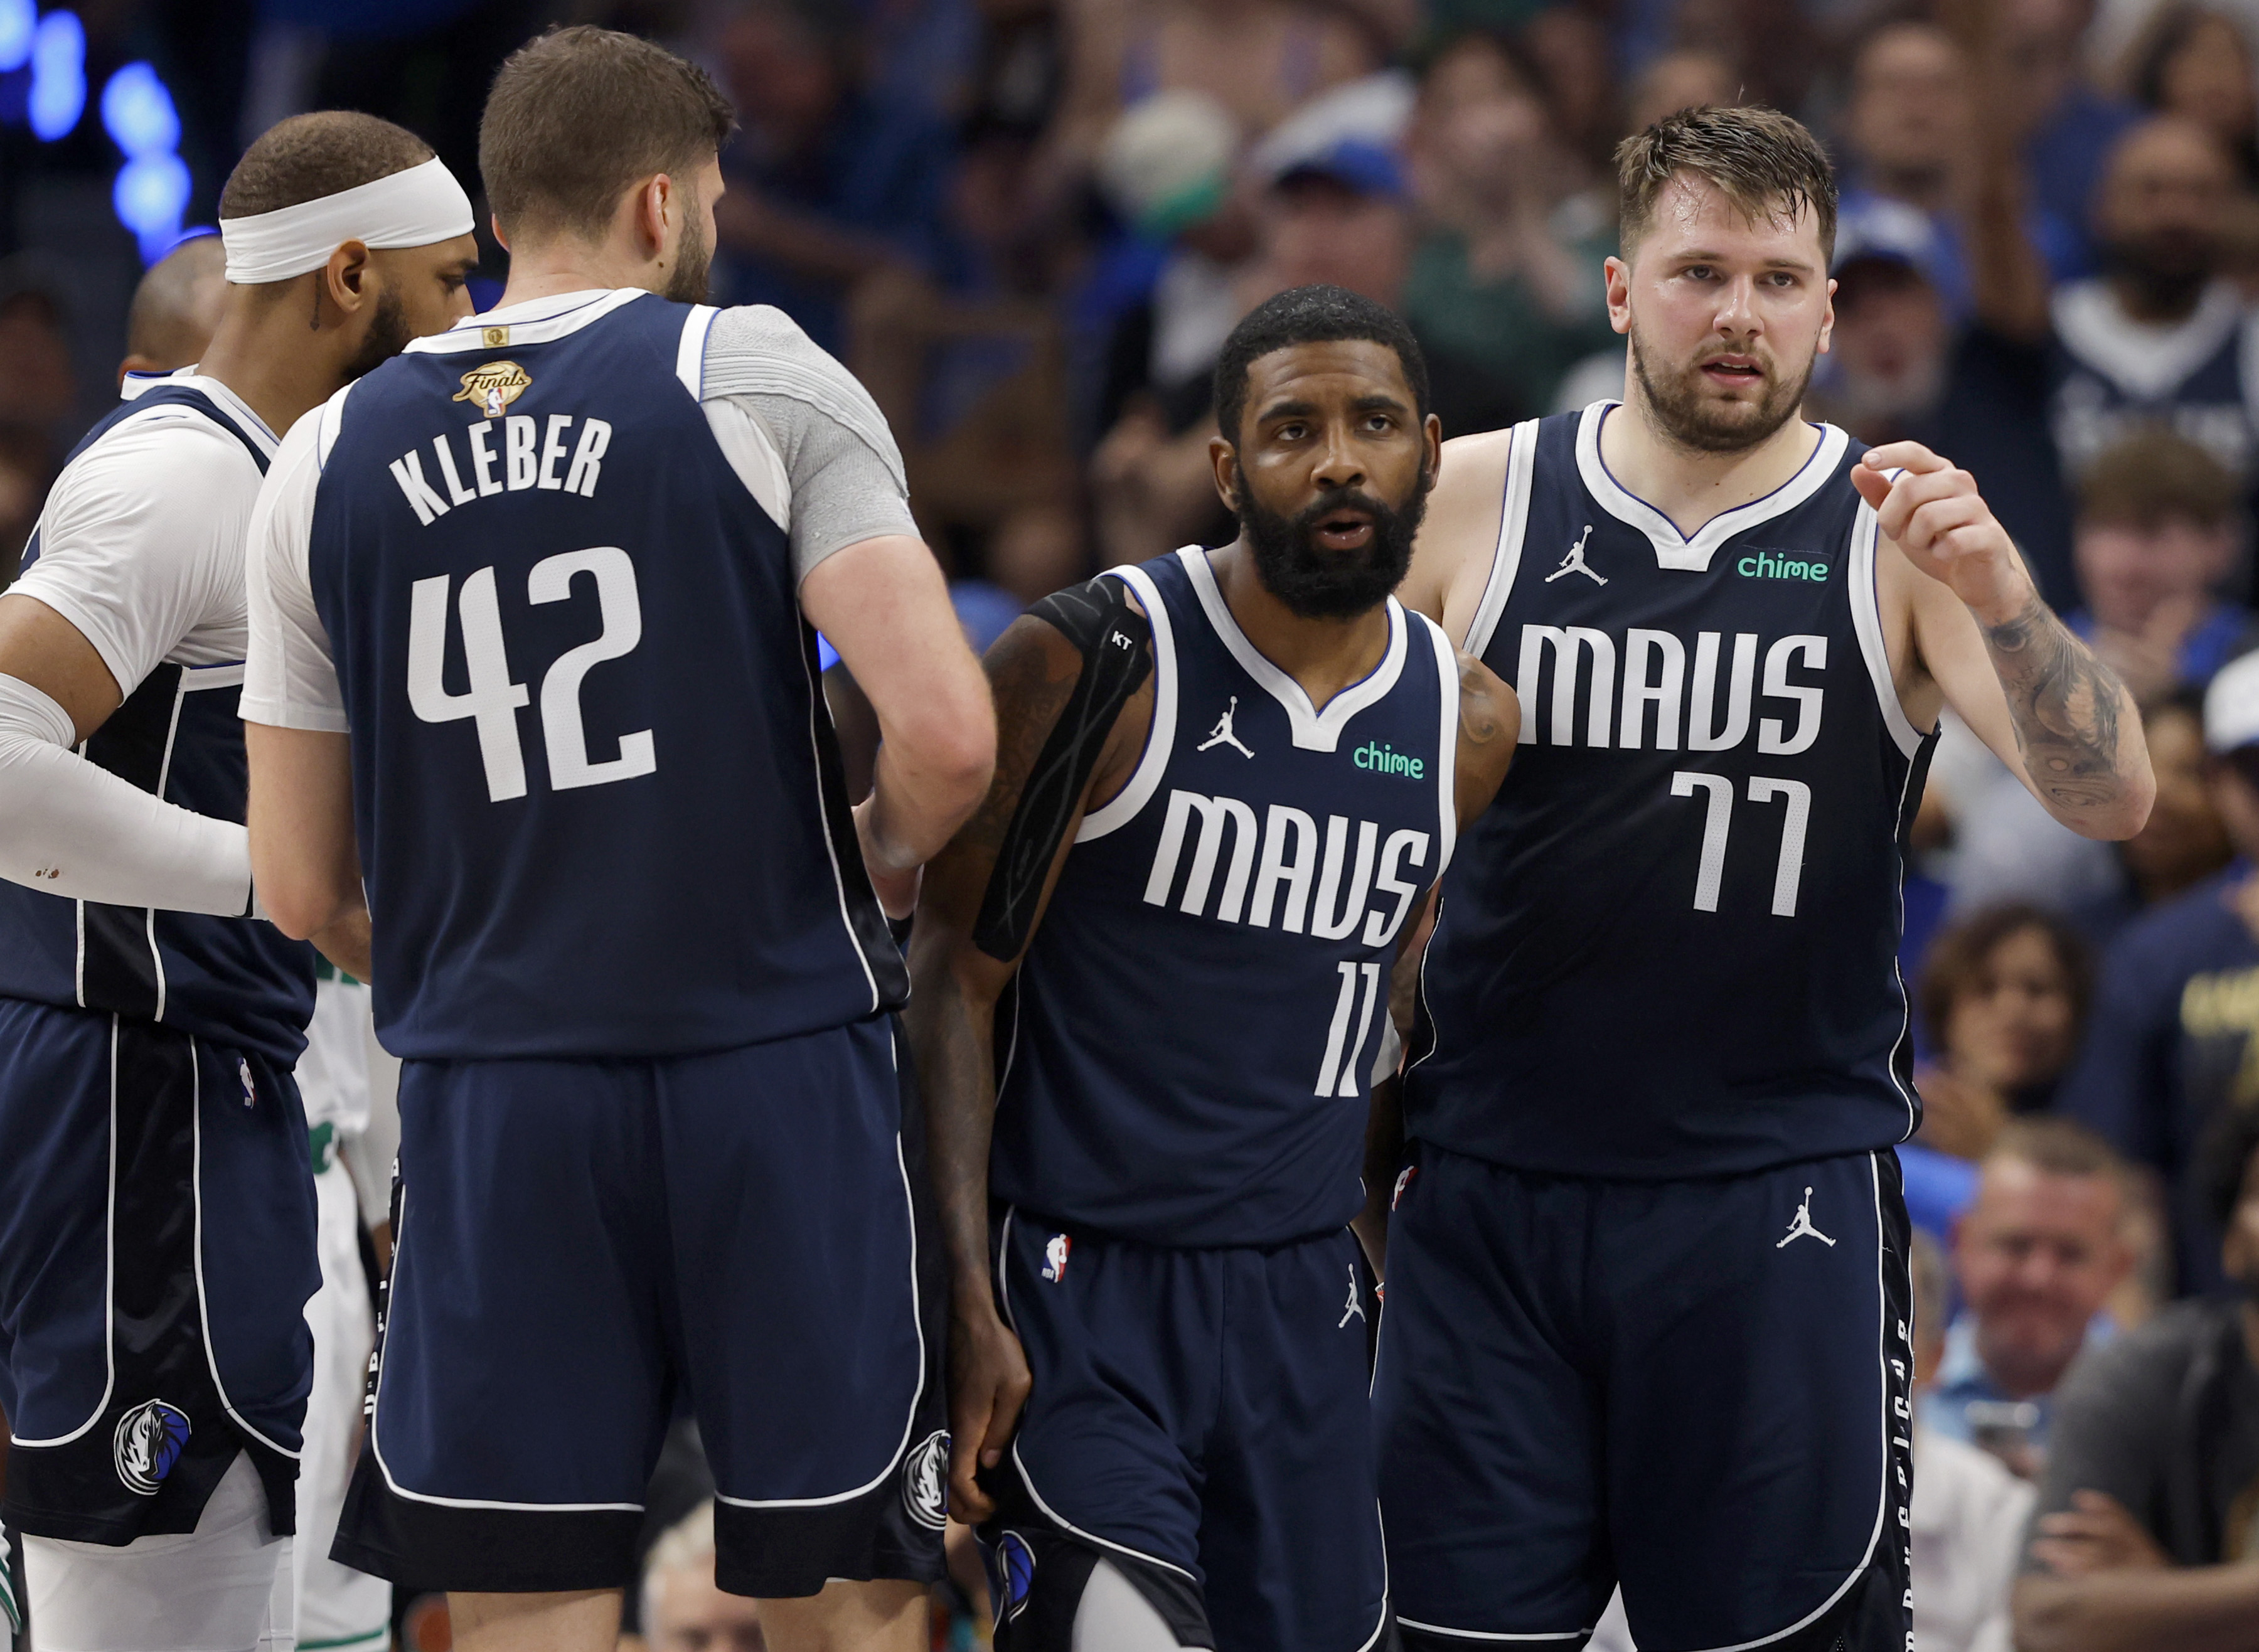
(1667, 952)
(156, 1209)
(1184, 1075)
(652, 1129)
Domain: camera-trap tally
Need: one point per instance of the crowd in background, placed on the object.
(1027, 225)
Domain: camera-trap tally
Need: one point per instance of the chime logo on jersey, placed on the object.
(493, 386)
(1306, 880)
(1671, 695)
(147, 1443)
(925, 1482)
(1055, 1249)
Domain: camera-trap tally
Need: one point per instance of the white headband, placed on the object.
(414, 208)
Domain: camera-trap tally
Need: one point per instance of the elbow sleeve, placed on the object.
(70, 828)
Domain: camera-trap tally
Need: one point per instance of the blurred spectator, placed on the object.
(1966, 1517)
(1909, 131)
(683, 1609)
(2037, 1257)
(25, 470)
(176, 308)
(2161, 335)
(2146, 1535)
(2159, 530)
(2004, 994)
(37, 391)
(2065, 126)
(1690, 77)
(1884, 371)
(2172, 1044)
(1505, 290)
(2195, 63)
(2184, 842)
(827, 183)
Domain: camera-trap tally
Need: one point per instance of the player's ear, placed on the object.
(345, 281)
(1225, 460)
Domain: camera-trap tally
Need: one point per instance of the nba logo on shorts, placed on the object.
(925, 1482)
(146, 1445)
(1055, 1249)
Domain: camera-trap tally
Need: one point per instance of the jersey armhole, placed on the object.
(1513, 524)
(1447, 750)
(690, 351)
(1864, 583)
(1161, 735)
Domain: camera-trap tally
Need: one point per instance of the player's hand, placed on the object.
(2095, 1534)
(989, 1382)
(1934, 513)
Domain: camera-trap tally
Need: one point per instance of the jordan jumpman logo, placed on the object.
(1223, 736)
(1355, 1309)
(1575, 563)
(1802, 1227)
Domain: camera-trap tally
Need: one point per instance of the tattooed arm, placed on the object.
(973, 927)
(1969, 631)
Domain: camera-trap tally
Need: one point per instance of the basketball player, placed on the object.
(1228, 780)
(343, 1078)
(532, 645)
(156, 1214)
(1646, 1287)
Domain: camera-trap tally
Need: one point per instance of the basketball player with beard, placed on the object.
(1151, 1008)
(533, 645)
(1647, 1275)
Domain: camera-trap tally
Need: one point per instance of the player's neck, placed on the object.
(1691, 485)
(549, 270)
(281, 367)
(1325, 656)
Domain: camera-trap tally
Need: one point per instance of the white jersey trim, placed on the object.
(204, 1302)
(1673, 549)
(1484, 1635)
(1161, 736)
(2144, 361)
(1512, 526)
(536, 321)
(1314, 730)
(690, 354)
(1447, 749)
(134, 386)
(1867, 622)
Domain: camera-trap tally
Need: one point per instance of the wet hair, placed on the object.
(1767, 164)
(1310, 315)
(309, 156)
(579, 114)
(2153, 477)
(1959, 956)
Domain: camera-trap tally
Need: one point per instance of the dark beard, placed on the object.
(1693, 422)
(694, 258)
(387, 336)
(1316, 584)
(2167, 277)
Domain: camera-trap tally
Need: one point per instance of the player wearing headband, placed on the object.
(532, 650)
(156, 1208)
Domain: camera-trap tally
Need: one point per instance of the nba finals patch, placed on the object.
(493, 387)
(146, 1444)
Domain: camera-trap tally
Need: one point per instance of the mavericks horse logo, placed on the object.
(147, 1443)
(925, 1482)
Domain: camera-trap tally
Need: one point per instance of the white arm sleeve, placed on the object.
(289, 678)
(70, 828)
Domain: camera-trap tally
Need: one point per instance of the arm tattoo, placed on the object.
(2064, 703)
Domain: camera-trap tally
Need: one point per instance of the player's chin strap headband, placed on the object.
(414, 208)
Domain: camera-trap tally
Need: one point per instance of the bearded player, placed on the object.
(156, 1213)
(1152, 996)
(1647, 1291)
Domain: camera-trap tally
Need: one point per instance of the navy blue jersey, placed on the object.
(2112, 379)
(598, 801)
(242, 983)
(1670, 948)
(1186, 1052)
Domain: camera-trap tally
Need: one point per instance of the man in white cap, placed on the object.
(156, 1203)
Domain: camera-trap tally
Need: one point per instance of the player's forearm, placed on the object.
(2078, 728)
(303, 857)
(929, 778)
(2192, 1609)
(950, 1035)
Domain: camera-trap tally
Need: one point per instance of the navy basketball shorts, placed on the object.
(579, 1242)
(1698, 1389)
(1200, 1419)
(156, 1253)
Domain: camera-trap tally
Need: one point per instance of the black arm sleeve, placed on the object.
(1112, 639)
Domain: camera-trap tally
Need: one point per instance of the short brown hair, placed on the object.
(1766, 163)
(579, 114)
(1959, 955)
(2153, 477)
(309, 156)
